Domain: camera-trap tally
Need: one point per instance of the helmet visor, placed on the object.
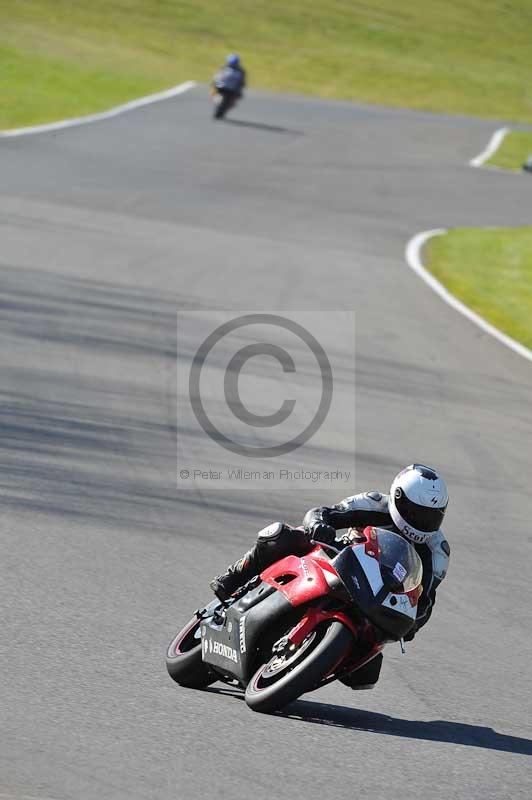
(423, 518)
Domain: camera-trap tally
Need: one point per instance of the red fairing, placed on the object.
(309, 580)
(313, 617)
(309, 583)
(414, 595)
(371, 545)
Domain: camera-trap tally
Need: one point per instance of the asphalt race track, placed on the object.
(294, 204)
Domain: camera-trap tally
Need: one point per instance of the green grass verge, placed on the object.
(61, 58)
(515, 148)
(491, 272)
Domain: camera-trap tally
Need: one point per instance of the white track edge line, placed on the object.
(102, 115)
(413, 259)
(492, 146)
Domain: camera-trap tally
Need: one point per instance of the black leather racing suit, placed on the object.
(278, 540)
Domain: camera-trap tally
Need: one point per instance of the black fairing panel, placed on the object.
(253, 597)
(256, 621)
(232, 647)
(354, 578)
(391, 622)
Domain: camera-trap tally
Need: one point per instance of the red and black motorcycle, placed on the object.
(303, 622)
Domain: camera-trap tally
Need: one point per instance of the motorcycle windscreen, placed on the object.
(371, 572)
(400, 565)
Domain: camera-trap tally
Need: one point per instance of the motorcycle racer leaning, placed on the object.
(414, 508)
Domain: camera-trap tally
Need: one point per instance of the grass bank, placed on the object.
(61, 58)
(513, 152)
(491, 272)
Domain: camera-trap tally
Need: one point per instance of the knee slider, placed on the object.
(271, 532)
(274, 542)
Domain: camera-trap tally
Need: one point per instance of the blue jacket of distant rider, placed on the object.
(231, 79)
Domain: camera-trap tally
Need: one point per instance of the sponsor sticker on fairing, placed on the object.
(399, 572)
(224, 651)
(242, 634)
(305, 568)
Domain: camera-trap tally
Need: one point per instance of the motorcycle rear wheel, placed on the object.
(183, 658)
(277, 682)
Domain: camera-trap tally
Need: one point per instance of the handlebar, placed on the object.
(332, 547)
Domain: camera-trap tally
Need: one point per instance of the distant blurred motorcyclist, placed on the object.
(229, 84)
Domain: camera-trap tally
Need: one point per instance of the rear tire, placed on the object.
(273, 687)
(183, 658)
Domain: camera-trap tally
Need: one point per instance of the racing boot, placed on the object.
(365, 677)
(236, 576)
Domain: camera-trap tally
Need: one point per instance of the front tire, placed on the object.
(183, 658)
(223, 107)
(275, 684)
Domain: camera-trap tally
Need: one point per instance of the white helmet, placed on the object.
(418, 499)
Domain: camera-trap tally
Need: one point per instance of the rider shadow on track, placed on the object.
(433, 731)
(262, 126)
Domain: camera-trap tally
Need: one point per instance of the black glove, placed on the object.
(321, 532)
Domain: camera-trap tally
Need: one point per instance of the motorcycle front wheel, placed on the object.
(222, 107)
(292, 672)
